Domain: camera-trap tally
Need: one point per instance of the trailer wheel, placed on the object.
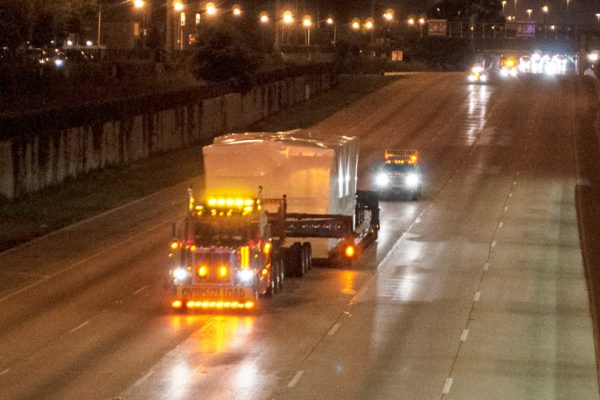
(308, 254)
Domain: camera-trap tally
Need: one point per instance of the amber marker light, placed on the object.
(202, 271)
(350, 251)
(174, 245)
(249, 305)
(177, 304)
(222, 271)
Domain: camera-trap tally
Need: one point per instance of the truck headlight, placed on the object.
(180, 275)
(412, 180)
(472, 78)
(483, 78)
(382, 179)
(246, 276)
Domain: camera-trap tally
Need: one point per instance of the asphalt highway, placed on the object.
(477, 291)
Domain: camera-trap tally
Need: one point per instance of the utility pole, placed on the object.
(277, 26)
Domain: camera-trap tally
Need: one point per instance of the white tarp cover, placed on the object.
(317, 172)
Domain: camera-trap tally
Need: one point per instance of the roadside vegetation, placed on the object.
(99, 191)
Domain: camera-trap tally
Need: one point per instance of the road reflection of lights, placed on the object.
(179, 378)
(414, 250)
(226, 332)
(349, 278)
(477, 103)
(246, 375)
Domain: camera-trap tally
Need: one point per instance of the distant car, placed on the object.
(478, 74)
(400, 174)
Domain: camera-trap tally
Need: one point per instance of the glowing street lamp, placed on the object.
(178, 6)
(388, 15)
(355, 24)
(503, 5)
(529, 11)
(411, 21)
(369, 24)
(331, 22)
(263, 18)
(288, 19)
(307, 23)
(545, 10)
(139, 4)
(598, 17)
(236, 10)
(211, 9)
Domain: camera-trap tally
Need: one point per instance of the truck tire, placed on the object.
(294, 261)
(308, 253)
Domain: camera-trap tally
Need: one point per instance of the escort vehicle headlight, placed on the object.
(180, 275)
(412, 180)
(245, 276)
(382, 179)
(472, 78)
(483, 78)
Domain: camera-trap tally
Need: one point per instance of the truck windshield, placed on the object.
(221, 234)
(404, 168)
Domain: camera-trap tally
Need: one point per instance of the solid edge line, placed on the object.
(5, 371)
(90, 219)
(48, 277)
(295, 379)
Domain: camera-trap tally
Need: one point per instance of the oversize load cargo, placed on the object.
(317, 172)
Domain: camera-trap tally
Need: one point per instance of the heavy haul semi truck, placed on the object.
(234, 246)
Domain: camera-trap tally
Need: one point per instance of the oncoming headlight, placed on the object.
(483, 78)
(382, 179)
(412, 180)
(245, 276)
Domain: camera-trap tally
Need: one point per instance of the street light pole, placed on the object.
(99, 21)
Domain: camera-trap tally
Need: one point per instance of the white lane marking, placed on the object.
(95, 217)
(510, 194)
(295, 379)
(141, 289)
(78, 263)
(78, 327)
(486, 266)
(447, 386)
(501, 224)
(418, 220)
(514, 183)
(494, 243)
(5, 371)
(334, 329)
(518, 172)
(143, 378)
(464, 335)
(505, 208)
(477, 296)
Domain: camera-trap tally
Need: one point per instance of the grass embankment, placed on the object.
(98, 191)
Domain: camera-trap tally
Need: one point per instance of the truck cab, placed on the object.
(225, 258)
(400, 174)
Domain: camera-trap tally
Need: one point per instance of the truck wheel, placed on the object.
(308, 253)
(280, 274)
(293, 261)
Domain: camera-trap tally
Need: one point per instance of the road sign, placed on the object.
(437, 27)
(525, 29)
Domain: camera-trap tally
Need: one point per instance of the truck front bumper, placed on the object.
(210, 297)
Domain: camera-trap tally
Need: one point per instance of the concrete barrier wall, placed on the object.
(32, 162)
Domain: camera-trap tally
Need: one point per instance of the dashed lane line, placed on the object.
(334, 329)
(78, 327)
(83, 261)
(295, 379)
(447, 386)
(140, 290)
